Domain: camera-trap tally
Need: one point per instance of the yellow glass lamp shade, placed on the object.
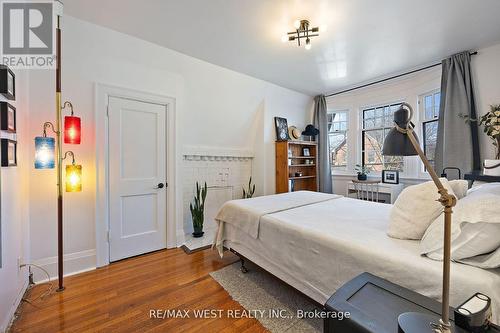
(73, 178)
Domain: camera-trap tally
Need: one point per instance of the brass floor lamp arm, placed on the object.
(448, 201)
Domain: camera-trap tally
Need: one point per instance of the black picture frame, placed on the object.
(7, 82)
(281, 126)
(8, 117)
(390, 177)
(9, 153)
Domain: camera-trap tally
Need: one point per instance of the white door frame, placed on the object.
(102, 94)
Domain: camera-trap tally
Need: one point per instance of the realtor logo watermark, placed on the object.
(28, 34)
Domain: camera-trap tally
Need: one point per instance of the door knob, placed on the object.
(160, 185)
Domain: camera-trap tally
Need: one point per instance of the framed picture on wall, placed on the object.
(7, 117)
(9, 152)
(7, 82)
(281, 129)
(390, 176)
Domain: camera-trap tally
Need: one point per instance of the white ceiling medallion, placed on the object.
(302, 32)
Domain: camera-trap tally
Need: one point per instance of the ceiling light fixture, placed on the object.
(301, 32)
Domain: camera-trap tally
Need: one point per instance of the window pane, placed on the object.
(430, 138)
(338, 149)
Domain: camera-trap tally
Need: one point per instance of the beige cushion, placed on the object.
(415, 209)
(459, 187)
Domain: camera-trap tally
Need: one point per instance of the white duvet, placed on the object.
(318, 247)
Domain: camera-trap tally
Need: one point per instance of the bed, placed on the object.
(317, 245)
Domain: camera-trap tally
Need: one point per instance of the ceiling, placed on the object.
(365, 39)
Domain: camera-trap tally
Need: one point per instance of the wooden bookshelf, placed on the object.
(287, 165)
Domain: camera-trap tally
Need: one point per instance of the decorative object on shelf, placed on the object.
(402, 141)
(293, 133)
(306, 152)
(390, 176)
(491, 127)
(281, 129)
(302, 32)
(9, 153)
(290, 152)
(311, 132)
(298, 174)
(49, 154)
(362, 172)
(198, 209)
(72, 127)
(251, 190)
(7, 117)
(44, 152)
(7, 82)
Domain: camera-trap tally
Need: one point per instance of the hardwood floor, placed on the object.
(119, 297)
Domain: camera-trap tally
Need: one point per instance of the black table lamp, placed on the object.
(402, 141)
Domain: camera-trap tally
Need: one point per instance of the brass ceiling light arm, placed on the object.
(302, 32)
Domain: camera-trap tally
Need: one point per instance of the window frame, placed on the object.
(362, 130)
(422, 172)
(343, 168)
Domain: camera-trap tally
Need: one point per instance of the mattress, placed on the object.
(319, 247)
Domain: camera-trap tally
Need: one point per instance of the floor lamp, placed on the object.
(402, 141)
(49, 153)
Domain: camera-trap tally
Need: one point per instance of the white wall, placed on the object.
(486, 71)
(14, 210)
(215, 108)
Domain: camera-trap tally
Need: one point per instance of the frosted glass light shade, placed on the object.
(44, 153)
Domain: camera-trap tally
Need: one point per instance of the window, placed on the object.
(429, 104)
(337, 134)
(376, 123)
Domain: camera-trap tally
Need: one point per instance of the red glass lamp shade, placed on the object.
(72, 130)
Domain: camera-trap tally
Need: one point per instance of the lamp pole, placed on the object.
(448, 201)
(60, 251)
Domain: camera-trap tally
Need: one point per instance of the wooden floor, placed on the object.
(119, 297)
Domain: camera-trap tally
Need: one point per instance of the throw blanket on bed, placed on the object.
(245, 214)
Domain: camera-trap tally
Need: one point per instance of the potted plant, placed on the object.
(197, 209)
(362, 172)
(251, 190)
(491, 127)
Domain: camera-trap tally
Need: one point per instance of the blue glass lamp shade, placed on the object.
(44, 152)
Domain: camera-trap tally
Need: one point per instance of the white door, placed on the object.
(137, 172)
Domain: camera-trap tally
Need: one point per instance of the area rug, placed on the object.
(275, 305)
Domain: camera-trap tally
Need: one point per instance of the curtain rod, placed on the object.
(389, 78)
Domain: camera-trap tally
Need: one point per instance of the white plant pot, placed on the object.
(491, 167)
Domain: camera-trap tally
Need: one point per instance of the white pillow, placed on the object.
(415, 209)
(459, 187)
(475, 230)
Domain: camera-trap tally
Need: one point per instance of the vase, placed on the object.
(362, 176)
(491, 167)
(198, 232)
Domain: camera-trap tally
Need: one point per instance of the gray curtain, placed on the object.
(320, 122)
(457, 141)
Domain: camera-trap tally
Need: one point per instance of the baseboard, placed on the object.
(10, 316)
(74, 263)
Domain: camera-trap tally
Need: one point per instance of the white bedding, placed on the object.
(246, 214)
(318, 247)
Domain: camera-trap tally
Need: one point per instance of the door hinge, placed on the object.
(107, 110)
(108, 236)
